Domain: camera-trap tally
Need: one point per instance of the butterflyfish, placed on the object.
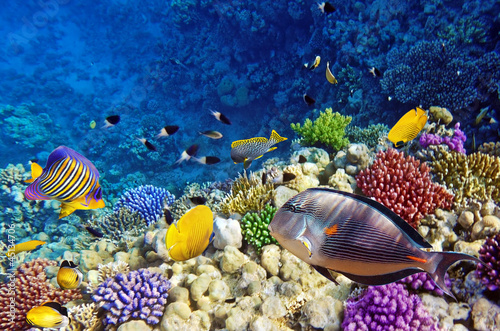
(111, 121)
(211, 134)
(375, 72)
(408, 127)
(69, 276)
(220, 117)
(146, 143)
(28, 246)
(167, 131)
(302, 159)
(308, 100)
(192, 234)
(329, 76)
(68, 177)
(187, 154)
(207, 160)
(49, 315)
(357, 237)
(246, 150)
(92, 231)
(316, 63)
(92, 124)
(326, 8)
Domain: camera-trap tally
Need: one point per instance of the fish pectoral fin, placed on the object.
(326, 273)
(66, 210)
(271, 149)
(36, 171)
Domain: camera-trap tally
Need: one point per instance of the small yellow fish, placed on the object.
(408, 127)
(481, 115)
(329, 76)
(69, 277)
(246, 150)
(192, 234)
(92, 124)
(28, 246)
(317, 60)
(49, 315)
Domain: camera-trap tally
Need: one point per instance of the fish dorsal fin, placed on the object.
(239, 143)
(395, 218)
(36, 171)
(276, 138)
(56, 306)
(65, 264)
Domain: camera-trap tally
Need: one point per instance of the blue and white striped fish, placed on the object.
(68, 177)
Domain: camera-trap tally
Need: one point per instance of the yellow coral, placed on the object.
(83, 317)
(442, 115)
(474, 176)
(247, 194)
(490, 148)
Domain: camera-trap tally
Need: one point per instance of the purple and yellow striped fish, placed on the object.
(68, 177)
(358, 237)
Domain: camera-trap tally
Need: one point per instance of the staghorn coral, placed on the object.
(328, 129)
(403, 185)
(247, 194)
(475, 176)
(254, 228)
(29, 289)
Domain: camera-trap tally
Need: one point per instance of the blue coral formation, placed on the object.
(148, 200)
(490, 255)
(387, 307)
(140, 294)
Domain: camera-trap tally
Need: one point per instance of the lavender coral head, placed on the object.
(423, 280)
(140, 294)
(387, 307)
(490, 255)
(147, 200)
(455, 143)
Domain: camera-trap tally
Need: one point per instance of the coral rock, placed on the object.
(227, 232)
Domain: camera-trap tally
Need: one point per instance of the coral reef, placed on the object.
(490, 148)
(370, 136)
(120, 225)
(440, 115)
(387, 307)
(147, 200)
(354, 159)
(208, 191)
(139, 294)
(403, 185)
(83, 318)
(31, 289)
(424, 281)
(454, 143)
(490, 254)
(328, 129)
(254, 228)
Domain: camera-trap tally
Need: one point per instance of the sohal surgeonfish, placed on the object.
(408, 127)
(28, 246)
(68, 177)
(246, 150)
(49, 315)
(192, 234)
(358, 237)
(69, 277)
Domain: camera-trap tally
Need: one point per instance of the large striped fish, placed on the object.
(358, 237)
(68, 177)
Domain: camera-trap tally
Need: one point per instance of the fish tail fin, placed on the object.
(276, 138)
(444, 260)
(36, 171)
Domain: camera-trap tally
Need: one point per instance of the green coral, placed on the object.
(328, 128)
(369, 136)
(254, 228)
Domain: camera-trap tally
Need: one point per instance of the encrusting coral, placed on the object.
(328, 129)
(254, 228)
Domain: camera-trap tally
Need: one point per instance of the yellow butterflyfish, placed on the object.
(408, 127)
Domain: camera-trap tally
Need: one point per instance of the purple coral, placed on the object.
(148, 200)
(140, 294)
(387, 307)
(423, 280)
(455, 143)
(490, 255)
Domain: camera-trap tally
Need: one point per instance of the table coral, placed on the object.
(254, 227)
(140, 294)
(475, 176)
(31, 290)
(403, 185)
(387, 307)
(328, 129)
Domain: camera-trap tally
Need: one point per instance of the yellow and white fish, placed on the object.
(246, 150)
(28, 246)
(408, 127)
(49, 315)
(69, 277)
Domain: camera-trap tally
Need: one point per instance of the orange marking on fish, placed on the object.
(417, 259)
(331, 230)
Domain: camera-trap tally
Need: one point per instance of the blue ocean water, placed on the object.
(67, 63)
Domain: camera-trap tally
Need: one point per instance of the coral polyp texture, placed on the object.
(387, 307)
(148, 200)
(403, 185)
(254, 227)
(328, 129)
(139, 294)
(31, 289)
(489, 253)
(424, 281)
(454, 143)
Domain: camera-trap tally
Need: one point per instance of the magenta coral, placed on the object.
(31, 289)
(455, 143)
(489, 253)
(403, 185)
(424, 280)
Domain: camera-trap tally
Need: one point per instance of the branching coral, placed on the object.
(474, 176)
(490, 148)
(254, 228)
(247, 194)
(30, 289)
(403, 185)
(454, 143)
(120, 225)
(490, 254)
(84, 317)
(328, 129)
(369, 136)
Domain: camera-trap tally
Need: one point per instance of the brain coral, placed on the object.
(403, 185)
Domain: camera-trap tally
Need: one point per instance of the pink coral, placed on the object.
(31, 289)
(403, 185)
